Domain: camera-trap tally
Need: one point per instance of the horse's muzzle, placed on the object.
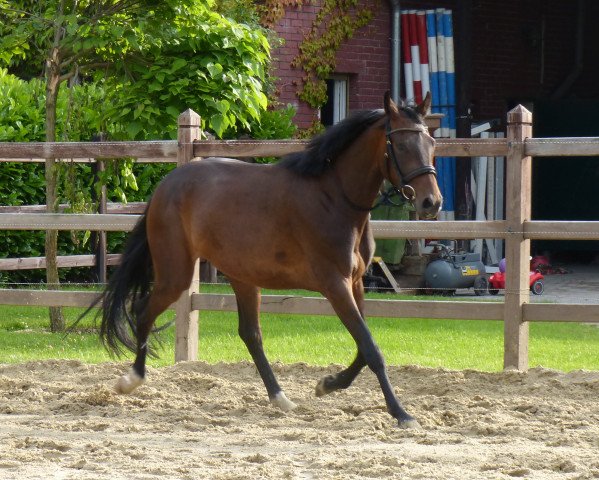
(429, 207)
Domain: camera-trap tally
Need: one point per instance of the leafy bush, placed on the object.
(201, 61)
(22, 113)
(21, 109)
(81, 112)
(189, 56)
(275, 124)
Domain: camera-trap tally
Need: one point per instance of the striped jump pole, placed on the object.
(451, 106)
(416, 72)
(433, 68)
(407, 56)
(423, 51)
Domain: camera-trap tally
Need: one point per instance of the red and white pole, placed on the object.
(423, 50)
(416, 72)
(407, 56)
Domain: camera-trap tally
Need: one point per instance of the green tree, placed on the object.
(155, 56)
(211, 64)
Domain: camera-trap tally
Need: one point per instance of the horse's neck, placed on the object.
(358, 171)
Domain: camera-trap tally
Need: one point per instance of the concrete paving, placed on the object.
(579, 285)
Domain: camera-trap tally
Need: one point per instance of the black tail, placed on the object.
(127, 293)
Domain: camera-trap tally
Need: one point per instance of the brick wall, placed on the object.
(364, 58)
(291, 29)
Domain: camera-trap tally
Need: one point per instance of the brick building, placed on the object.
(541, 53)
(506, 52)
(363, 61)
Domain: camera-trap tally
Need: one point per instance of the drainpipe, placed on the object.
(395, 50)
(575, 73)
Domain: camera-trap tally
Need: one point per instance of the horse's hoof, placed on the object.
(281, 401)
(128, 383)
(322, 388)
(409, 424)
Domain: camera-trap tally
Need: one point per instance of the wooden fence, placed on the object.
(517, 230)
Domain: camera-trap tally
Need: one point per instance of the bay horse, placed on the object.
(302, 223)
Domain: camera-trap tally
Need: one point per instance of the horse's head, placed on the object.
(408, 162)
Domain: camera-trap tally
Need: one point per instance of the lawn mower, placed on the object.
(451, 271)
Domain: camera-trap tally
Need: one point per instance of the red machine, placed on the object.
(497, 282)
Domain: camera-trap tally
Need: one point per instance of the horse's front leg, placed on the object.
(344, 378)
(343, 302)
(248, 308)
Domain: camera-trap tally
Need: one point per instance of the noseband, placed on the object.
(406, 190)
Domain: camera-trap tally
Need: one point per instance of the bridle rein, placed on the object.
(406, 190)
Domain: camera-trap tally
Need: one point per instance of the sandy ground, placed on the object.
(61, 419)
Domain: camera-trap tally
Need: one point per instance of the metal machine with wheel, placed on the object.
(451, 271)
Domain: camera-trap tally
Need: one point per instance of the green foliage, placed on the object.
(22, 110)
(156, 58)
(275, 124)
(336, 21)
(205, 62)
(241, 11)
(139, 64)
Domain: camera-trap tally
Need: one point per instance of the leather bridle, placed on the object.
(406, 190)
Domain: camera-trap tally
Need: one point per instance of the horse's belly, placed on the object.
(265, 273)
(258, 261)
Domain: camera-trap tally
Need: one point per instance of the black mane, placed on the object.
(326, 147)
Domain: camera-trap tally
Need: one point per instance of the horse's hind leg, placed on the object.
(344, 378)
(173, 274)
(248, 307)
(341, 380)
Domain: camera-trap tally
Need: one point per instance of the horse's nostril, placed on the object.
(427, 203)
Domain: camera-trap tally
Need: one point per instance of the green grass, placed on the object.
(452, 344)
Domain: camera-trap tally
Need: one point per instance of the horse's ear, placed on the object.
(390, 106)
(425, 106)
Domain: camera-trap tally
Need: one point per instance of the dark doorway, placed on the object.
(566, 188)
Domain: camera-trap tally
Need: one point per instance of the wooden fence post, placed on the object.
(186, 318)
(517, 248)
(98, 239)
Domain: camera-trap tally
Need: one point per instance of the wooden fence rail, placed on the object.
(87, 152)
(517, 230)
(382, 229)
(63, 261)
(166, 150)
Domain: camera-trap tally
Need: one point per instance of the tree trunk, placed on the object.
(57, 322)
